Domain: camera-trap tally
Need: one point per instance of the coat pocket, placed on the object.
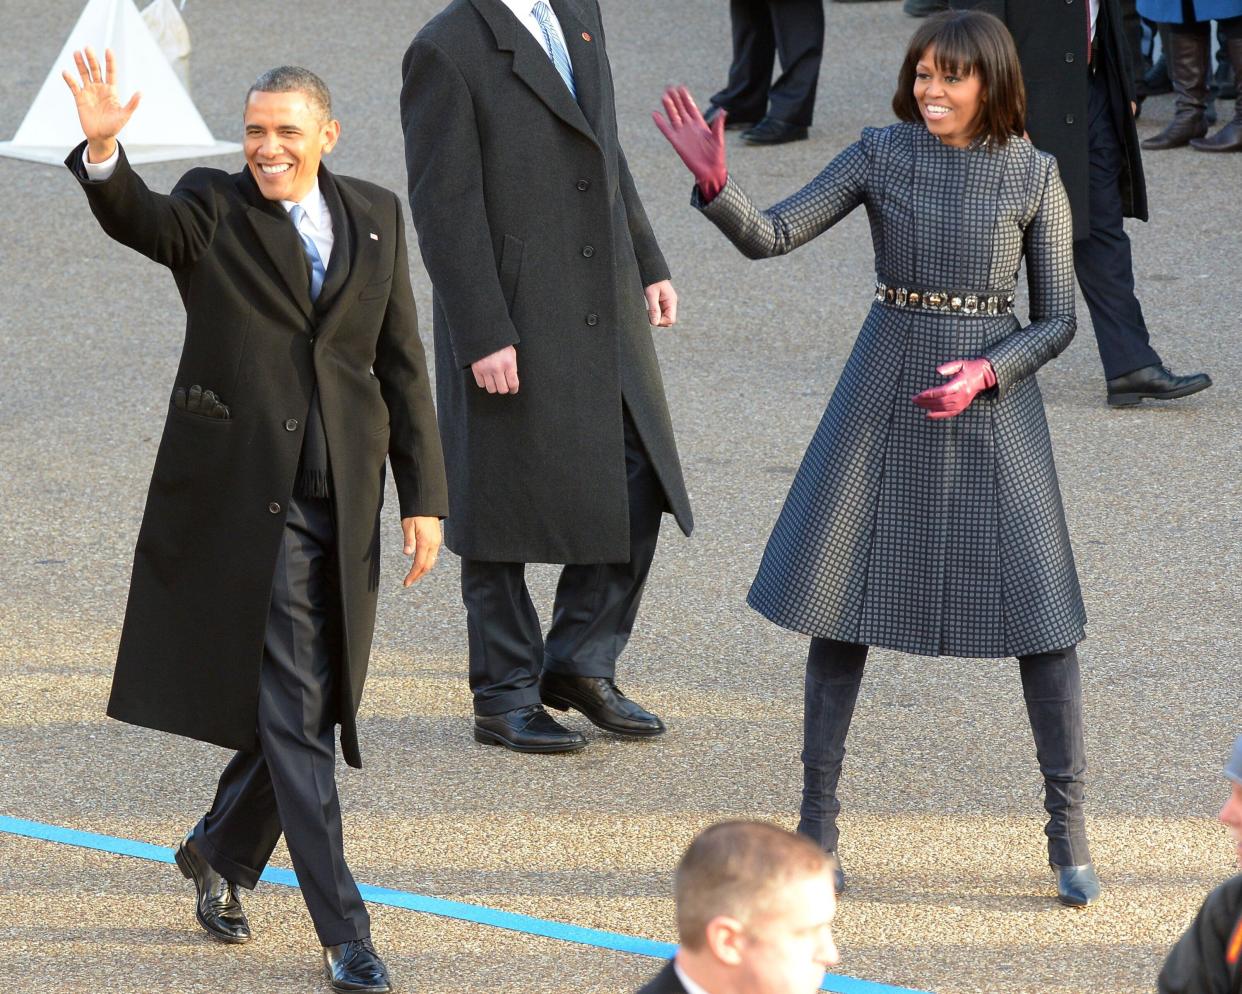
(510, 268)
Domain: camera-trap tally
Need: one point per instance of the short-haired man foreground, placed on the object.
(253, 596)
(754, 914)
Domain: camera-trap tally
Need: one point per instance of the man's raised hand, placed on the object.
(100, 110)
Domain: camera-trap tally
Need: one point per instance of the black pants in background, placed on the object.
(289, 782)
(761, 30)
(592, 616)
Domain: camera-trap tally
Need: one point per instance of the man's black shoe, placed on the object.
(217, 908)
(770, 131)
(838, 873)
(1077, 886)
(731, 123)
(356, 966)
(528, 729)
(1153, 383)
(600, 700)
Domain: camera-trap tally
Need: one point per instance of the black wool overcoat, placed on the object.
(192, 643)
(1051, 36)
(533, 235)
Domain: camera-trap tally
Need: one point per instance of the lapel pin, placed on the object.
(586, 36)
(374, 236)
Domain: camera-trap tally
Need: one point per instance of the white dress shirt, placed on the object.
(317, 222)
(1095, 16)
(523, 10)
(690, 986)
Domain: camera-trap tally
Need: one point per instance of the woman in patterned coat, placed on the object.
(926, 515)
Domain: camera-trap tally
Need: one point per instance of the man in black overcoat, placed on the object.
(252, 602)
(1080, 107)
(546, 277)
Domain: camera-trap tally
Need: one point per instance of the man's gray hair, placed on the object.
(295, 79)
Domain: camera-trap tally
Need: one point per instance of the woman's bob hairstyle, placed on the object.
(969, 43)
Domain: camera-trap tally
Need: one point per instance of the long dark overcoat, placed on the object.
(1051, 37)
(534, 236)
(935, 537)
(192, 642)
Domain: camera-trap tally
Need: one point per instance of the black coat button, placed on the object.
(584, 185)
(274, 507)
(291, 424)
(1069, 56)
(1069, 118)
(588, 251)
(592, 319)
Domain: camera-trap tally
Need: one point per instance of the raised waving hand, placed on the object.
(700, 145)
(100, 111)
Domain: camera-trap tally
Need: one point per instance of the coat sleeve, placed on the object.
(796, 220)
(401, 368)
(173, 230)
(1197, 962)
(652, 266)
(1048, 243)
(444, 165)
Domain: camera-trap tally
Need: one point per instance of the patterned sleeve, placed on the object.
(795, 220)
(1048, 244)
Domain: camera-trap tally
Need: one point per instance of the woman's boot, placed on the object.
(1188, 65)
(1228, 138)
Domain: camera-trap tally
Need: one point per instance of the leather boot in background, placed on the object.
(1228, 138)
(1188, 65)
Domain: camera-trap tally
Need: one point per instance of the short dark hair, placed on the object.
(968, 43)
(738, 869)
(295, 79)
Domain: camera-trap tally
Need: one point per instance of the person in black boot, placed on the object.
(1228, 138)
(772, 112)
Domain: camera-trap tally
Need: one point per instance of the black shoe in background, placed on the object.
(527, 729)
(1153, 383)
(770, 131)
(600, 700)
(355, 967)
(217, 905)
(731, 123)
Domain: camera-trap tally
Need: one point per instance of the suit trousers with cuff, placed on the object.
(1102, 260)
(289, 783)
(592, 616)
(761, 30)
(1052, 688)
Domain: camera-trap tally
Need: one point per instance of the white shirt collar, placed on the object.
(690, 986)
(312, 203)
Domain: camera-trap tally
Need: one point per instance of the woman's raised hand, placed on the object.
(100, 110)
(700, 145)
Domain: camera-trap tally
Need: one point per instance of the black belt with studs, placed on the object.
(945, 301)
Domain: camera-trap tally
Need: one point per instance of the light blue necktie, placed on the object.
(318, 270)
(556, 48)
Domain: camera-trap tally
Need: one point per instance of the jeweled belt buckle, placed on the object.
(934, 299)
(970, 304)
(901, 296)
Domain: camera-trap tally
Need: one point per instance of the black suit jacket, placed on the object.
(664, 982)
(1051, 37)
(192, 641)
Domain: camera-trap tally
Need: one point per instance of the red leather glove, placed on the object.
(969, 377)
(701, 147)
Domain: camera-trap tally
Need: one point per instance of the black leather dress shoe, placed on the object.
(770, 131)
(601, 701)
(732, 123)
(356, 966)
(218, 908)
(838, 873)
(1077, 886)
(528, 729)
(1153, 383)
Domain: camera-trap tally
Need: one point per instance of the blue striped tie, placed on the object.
(318, 270)
(556, 48)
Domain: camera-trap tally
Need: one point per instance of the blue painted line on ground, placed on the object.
(458, 910)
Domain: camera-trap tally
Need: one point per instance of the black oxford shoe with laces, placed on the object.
(599, 699)
(528, 729)
(218, 907)
(1153, 383)
(355, 966)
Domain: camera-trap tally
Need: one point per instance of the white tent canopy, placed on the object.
(166, 125)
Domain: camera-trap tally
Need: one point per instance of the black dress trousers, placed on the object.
(761, 30)
(1102, 260)
(289, 783)
(592, 616)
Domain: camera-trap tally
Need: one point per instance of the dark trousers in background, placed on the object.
(592, 616)
(762, 29)
(1102, 260)
(1052, 687)
(289, 782)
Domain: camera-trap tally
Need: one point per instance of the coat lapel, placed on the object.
(532, 65)
(583, 48)
(279, 239)
(358, 226)
(343, 240)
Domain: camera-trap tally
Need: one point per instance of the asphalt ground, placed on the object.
(949, 887)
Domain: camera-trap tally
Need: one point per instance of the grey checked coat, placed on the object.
(934, 537)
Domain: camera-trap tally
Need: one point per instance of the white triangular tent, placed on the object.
(166, 125)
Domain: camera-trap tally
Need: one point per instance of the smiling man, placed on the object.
(755, 905)
(252, 602)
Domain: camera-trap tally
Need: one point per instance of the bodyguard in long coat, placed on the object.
(252, 602)
(540, 255)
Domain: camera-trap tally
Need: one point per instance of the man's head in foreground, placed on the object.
(755, 905)
(289, 128)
